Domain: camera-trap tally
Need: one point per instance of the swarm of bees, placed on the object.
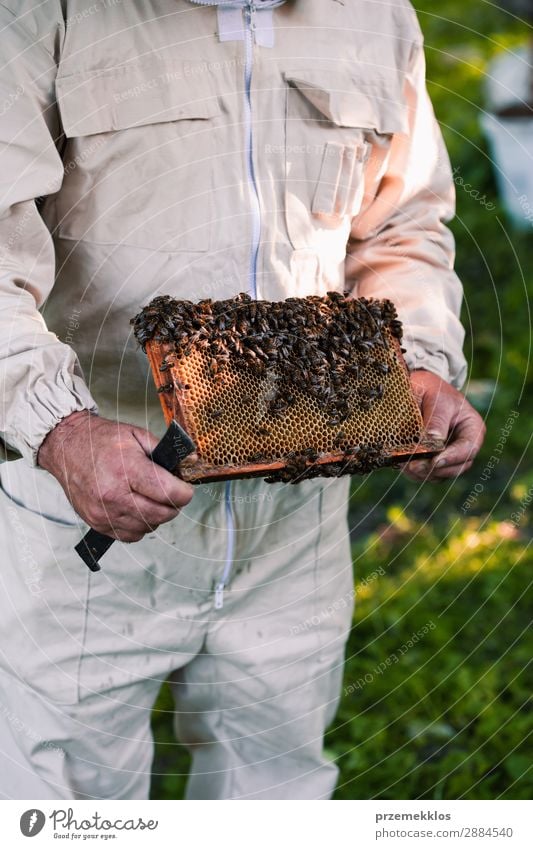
(359, 460)
(308, 342)
(318, 345)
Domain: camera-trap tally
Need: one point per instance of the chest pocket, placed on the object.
(333, 119)
(138, 158)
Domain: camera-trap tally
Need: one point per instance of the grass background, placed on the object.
(451, 718)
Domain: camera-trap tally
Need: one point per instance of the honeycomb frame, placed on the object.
(237, 436)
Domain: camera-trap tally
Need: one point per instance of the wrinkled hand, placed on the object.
(109, 480)
(447, 415)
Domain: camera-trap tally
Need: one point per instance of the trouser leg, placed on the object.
(83, 655)
(91, 651)
(253, 706)
(23, 743)
(101, 748)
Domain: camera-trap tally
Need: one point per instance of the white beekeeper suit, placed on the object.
(174, 147)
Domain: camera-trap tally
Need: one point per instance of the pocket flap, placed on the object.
(132, 96)
(350, 100)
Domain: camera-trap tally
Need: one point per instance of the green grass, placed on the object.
(450, 717)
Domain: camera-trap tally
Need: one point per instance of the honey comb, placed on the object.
(284, 390)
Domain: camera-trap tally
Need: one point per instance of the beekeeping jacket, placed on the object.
(162, 146)
(145, 154)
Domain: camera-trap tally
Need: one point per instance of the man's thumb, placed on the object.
(436, 419)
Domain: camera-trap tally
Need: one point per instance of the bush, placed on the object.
(436, 684)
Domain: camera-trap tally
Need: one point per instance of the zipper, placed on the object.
(255, 209)
(230, 549)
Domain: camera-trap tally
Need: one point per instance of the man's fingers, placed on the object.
(146, 513)
(437, 411)
(104, 468)
(449, 416)
(416, 469)
(467, 438)
(152, 480)
(424, 471)
(156, 483)
(450, 471)
(134, 515)
(459, 451)
(125, 535)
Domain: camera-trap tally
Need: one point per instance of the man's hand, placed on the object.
(447, 415)
(109, 480)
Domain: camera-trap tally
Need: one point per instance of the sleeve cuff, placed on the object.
(418, 357)
(48, 404)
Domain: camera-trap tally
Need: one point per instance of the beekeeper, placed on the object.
(196, 149)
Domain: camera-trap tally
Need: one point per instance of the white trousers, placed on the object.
(83, 655)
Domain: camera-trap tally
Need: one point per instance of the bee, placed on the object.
(256, 458)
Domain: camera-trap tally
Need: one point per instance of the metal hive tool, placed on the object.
(284, 390)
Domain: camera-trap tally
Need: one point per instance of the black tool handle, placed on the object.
(92, 547)
(175, 445)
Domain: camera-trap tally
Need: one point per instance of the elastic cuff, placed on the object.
(453, 370)
(417, 357)
(50, 402)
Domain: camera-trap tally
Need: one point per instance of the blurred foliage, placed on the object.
(172, 761)
(451, 715)
(450, 718)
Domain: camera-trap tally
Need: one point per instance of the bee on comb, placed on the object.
(285, 390)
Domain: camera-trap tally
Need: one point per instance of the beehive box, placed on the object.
(285, 390)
